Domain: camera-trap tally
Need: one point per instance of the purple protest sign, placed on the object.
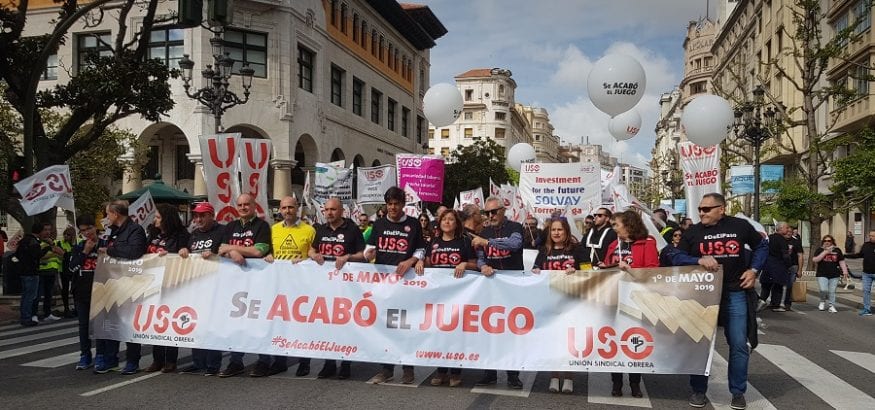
(425, 174)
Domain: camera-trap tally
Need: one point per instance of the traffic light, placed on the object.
(220, 12)
(16, 172)
(190, 13)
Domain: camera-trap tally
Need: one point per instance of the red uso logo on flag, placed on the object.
(695, 151)
(410, 162)
(374, 174)
(182, 321)
(56, 183)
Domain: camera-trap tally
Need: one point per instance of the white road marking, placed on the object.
(37, 336)
(118, 385)
(38, 347)
(718, 388)
(864, 360)
(831, 389)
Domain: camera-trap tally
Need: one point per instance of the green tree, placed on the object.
(93, 169)
(854, 178)
(471, 166)
(105, 88)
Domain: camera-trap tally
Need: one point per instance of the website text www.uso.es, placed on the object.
(444, 355)
(313, 345)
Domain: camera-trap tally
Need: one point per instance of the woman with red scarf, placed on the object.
(634, 248)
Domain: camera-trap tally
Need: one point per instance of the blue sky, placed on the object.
(550, 46)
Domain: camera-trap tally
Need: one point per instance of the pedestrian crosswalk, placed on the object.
(55, 346)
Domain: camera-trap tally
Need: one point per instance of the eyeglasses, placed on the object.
(490, 212)
(828, 241)
(706, 209)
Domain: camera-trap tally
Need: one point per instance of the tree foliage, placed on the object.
(854, 178)
(100, 92)
(472, 166)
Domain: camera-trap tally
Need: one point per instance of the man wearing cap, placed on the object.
(338, 240)
(204, 241)
(291, 240)
(246, 237)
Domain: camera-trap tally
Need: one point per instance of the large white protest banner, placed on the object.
(572, 189)
(701, 167)
(332, 180)
(221, 173)
(659, 320)
(48, 188)
(373, 183)
(254, 160)
(143, 210)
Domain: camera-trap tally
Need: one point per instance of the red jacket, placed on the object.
(644, 254)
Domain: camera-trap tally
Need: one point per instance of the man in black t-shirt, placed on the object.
(595, 243)
(777, 267)
(719, 240)
(205, 240)
(395, 240)
(797, 258)
(246, 237)
(341, 241)
(502, 245)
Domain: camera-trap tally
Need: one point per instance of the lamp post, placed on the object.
(756, 123)
(673, 181)
(215, 94)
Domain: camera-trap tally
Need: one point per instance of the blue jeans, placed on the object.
(735, 330)
(788, 295)
(828, 289)
(868, 278)
(29, 291)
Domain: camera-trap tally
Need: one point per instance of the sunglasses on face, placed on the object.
(706, 209)
(827, 241)
(490, 212)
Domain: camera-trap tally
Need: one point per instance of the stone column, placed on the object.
(131, 180)
(200, 186)
(282, 177)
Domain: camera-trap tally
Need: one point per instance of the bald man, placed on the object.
(246, 237)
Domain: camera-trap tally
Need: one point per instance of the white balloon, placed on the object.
(520, 153)
(625, 125)
(707, 119)
(442, 104)
(616, 83)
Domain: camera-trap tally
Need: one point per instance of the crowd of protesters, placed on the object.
(466, 240)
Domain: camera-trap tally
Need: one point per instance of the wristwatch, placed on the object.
(755, 271)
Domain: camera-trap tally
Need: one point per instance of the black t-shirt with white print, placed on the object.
(396, 241)
(347, 239)
(208, 240)
(441, 253)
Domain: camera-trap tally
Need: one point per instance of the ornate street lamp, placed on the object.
(673, 180)
(756, 123)
(215, 95)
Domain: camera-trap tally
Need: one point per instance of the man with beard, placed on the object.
(597, 240)
(502, 243)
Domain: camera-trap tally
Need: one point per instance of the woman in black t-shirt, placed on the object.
(558, 254)
(830, 263)
(451, 249)
(168, 235)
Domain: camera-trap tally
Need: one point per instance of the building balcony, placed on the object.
(856, 114)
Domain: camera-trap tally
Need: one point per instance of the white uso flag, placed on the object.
(143, 210)
(46, 189)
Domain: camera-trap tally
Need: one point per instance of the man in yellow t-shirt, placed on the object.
(290, 239)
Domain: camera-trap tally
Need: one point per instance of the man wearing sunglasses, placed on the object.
(719, 241)
(502, 245)
(595, 244)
